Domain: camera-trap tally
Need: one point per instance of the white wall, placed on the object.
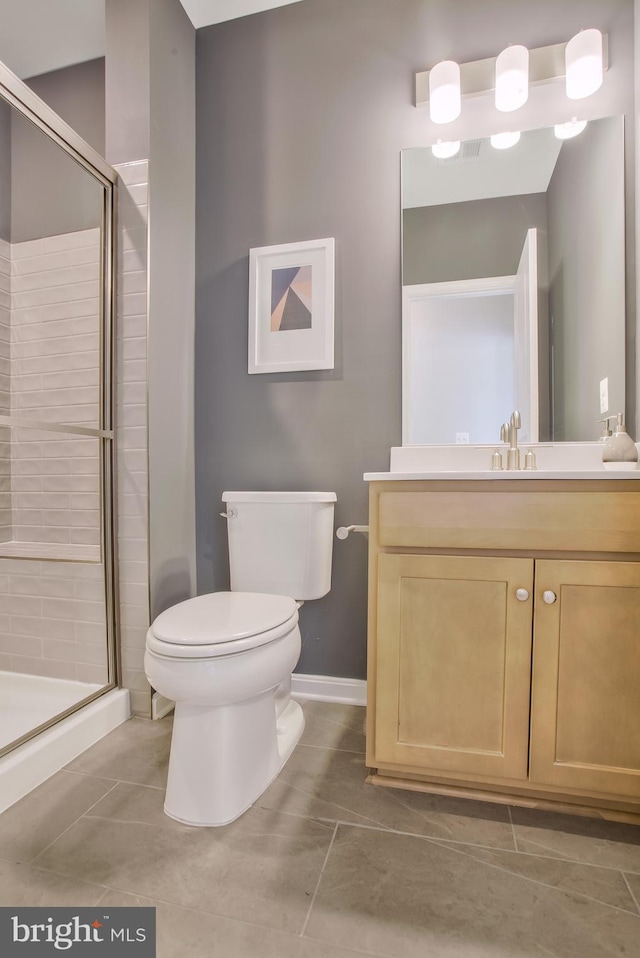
(462, 368)
(132, 431)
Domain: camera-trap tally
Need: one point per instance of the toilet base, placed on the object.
(223, 758)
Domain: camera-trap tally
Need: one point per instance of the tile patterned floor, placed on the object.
(322, 866)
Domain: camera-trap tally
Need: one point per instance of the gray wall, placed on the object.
(468, 240)
(150, 81)
(76, 93)
(171, 306)
(586, 279)
(50, 193)
(127, 80)
(5, 171)
(301, 115)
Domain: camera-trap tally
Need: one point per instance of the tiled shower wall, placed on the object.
(55, 361)
(131, 378)
(5, 346)
(52, 619)
(52, 613)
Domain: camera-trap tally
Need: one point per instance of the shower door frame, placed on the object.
(18, 95)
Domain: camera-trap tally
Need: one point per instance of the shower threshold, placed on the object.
(28, 765)
(28, 701)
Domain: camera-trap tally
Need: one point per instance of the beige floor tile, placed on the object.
(135, 803)
(331, 725)
(183, 931)
(591, 840)
(324, 783)
(26, 886)
(137, 751)
(37, 819)
(403, 897)
(633, 881)
(605, 885)
(453, 887)
(263, 868)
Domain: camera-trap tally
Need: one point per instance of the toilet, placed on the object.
(226, 658)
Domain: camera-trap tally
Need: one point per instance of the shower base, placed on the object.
(27, 701)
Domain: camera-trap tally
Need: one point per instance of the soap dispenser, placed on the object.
(619, 450)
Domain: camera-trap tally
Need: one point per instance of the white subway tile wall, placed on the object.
(55, 377)
(5, 405)
(132, 455)
(52, 619)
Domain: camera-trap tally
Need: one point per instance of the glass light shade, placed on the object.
(444, 150)
(512, 78)
(444, 92)
(503, 141)
(564, 131)
(583, 64)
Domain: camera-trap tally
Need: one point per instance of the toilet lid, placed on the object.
(220, 617)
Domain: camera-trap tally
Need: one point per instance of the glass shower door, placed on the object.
(57, 556)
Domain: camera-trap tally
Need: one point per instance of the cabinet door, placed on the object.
(585, 721)
(453, 663)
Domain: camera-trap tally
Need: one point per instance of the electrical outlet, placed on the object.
(604, 396)
(462, 438)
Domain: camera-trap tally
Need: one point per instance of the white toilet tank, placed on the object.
(280, 542)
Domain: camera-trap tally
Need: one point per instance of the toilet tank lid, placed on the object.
(222, 617)
(279, 497)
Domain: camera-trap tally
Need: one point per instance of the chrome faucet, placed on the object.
(509, 433)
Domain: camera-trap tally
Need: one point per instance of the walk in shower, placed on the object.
(57, 559)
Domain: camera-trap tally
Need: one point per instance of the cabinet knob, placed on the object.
(522, 595)
(549, 597)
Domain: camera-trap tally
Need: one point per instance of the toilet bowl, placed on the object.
(226, 658)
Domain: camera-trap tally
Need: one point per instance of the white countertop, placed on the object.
(565, 460)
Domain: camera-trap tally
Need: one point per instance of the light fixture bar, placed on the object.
(478, 78)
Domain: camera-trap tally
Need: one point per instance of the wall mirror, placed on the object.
(513, 283)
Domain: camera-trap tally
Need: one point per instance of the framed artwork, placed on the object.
(291, 300)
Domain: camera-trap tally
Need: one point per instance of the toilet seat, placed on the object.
(221, 623)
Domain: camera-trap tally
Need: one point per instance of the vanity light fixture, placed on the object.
(504, 141)
(445, 149)
(444, 92)
(512, 78)
(580, 63)
(565, 131)
(584, 64)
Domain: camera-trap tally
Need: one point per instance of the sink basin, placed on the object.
(581, 460)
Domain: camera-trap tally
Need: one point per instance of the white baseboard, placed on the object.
(160, 706)
(328, 688)
(319, 688)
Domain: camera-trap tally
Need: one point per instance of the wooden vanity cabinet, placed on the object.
(504, 640)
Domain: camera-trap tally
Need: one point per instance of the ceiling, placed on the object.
(41, 35)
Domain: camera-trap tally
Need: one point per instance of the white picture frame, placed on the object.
(291, 307)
